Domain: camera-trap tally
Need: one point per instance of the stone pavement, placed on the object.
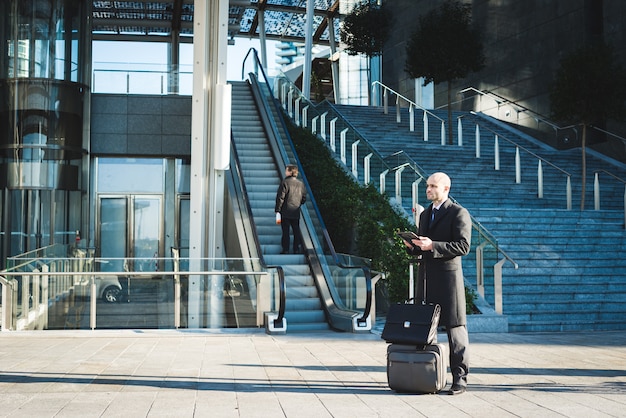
(200, 373)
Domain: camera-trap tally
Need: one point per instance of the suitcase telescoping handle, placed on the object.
(412, 298)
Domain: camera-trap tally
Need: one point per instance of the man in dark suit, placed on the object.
(291, 194)
(444, 235)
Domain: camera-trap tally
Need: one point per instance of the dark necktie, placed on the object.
(433, 215)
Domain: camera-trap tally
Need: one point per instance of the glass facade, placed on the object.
(43, 49)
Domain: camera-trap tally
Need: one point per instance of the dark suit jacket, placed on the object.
(451, 233)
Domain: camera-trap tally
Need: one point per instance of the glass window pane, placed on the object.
(119, 175)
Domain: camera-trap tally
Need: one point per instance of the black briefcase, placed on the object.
(412, 324)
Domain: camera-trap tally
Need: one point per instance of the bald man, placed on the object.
(444, 236)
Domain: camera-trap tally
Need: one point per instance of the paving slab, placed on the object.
(247, 373)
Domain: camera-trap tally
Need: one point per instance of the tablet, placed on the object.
(407, 235)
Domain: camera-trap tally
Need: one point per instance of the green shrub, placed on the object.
(359, 219)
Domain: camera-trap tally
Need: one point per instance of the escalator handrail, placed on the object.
(281, 273)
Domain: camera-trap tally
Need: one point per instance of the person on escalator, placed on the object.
(290, 196)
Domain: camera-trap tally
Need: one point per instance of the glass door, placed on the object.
(130, 227)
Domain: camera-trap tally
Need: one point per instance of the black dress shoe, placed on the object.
(457, 390)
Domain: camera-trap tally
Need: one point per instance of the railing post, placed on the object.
(596, 191)
(355, 150)
(415, 200)
(568, 193)
(540, 180)
(7, 304)
(477, 141)
(290, 102)
(443, 133)
(296, 111)
(399, 184)
(92, 303)
(459, 129)
(342, 147)
(518, 167)
(624, 207)
(366, 168)
(425, 119)
(283, 94)
(496, 153)
(411, 118)
(305, 116)
(314, 125)
(386, 101)
(398, 117)
(382, 180)
(342, 140)
(497, 285)
(480, 269)
(332, 128)
(323, 125)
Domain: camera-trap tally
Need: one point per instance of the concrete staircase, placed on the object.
(572, 263)
(303, 309)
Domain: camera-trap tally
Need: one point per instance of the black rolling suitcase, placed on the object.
(413, 369)
(416, 363)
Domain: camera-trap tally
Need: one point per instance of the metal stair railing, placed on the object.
(292, 98)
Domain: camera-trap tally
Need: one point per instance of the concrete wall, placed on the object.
(524, 42)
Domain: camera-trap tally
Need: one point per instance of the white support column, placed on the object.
(411, 118)
(290, 102)
(308, 49)
(334, 59)
(210, 142)
(261, 15)
(355, 159)
(425, 119)
(459, 129)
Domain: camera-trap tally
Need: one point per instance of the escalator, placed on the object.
(322, 291)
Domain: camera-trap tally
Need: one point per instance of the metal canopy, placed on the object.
(158, 20)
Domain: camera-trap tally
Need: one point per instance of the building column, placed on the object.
(210, 146)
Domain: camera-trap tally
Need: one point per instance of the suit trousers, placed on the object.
(294, 224)
(458, 339)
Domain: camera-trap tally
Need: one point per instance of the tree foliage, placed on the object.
(445, 47)
(589, 87)
(366, 29)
